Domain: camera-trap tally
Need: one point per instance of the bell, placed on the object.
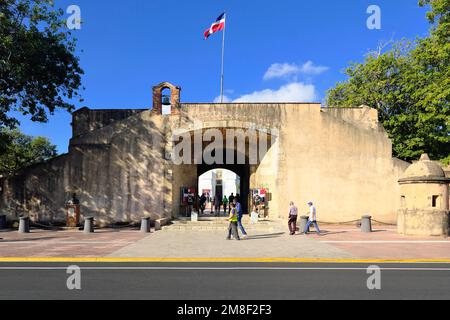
(166, 101)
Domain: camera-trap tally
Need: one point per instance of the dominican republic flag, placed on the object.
(219, 25)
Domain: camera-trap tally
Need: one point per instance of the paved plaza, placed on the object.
(336, 242)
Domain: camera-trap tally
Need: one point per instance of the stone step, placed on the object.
(210, 223)
(222, 225)
(219, 228)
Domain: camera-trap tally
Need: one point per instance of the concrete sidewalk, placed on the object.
(337, 242)
(212, 244)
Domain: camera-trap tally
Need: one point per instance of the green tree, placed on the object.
(39, 71)
(22, 150)
(409, 85)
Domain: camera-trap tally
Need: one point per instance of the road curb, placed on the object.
(211, 260)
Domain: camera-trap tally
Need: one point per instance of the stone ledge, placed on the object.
(159, 223)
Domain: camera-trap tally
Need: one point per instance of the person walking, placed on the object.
(233, 219)
(230, 200)
(312, 219)
(202, 202)
(293, 216)
(240, 214)
(190, 204)
(225, 204)
(217, 202)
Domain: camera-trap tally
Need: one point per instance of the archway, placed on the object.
(216, 184)
(242, 188)
(240, 152)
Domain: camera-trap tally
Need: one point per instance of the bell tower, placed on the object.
(161, 100)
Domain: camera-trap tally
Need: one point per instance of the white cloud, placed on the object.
(226, 99)
(310, 68)
(282, 70)
(292, 92)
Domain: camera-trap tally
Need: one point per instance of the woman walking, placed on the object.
(233, 219)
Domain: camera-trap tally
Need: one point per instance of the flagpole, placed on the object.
(223, 56)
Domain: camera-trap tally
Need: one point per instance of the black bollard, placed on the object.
(2, 221)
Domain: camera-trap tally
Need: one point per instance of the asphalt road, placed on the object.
(223, 281)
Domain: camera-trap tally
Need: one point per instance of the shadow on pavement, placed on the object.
(27, 240)
(265, 236)
(328, 233)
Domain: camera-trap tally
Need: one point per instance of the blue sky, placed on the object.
(285, 49)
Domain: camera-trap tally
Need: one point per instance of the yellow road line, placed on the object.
(214, 260)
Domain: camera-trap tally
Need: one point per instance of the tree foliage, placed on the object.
(409, 85)
(22, 150)
(39, 71)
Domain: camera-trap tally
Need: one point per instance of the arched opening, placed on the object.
(214, 185)
(240, 155)
(166, 101)
(166, 98)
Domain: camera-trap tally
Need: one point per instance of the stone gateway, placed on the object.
(120, 163)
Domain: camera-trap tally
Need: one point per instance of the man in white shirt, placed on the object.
(293, 214)
(312, 219)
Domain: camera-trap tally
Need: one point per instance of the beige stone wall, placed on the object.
(339, 159)
(266, 175)
(420, 195)
(123, 170)
(346, 170)
(423, 222)
(117, 171)
(38, 192)
(86, 120)
(182, 176)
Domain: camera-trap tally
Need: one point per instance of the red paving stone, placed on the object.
(74, 243)
(385, 243)
(40, 243)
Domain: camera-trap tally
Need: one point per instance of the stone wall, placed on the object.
(116, 172)
(39, 191)
(119, 170)
(86, 120)
(341, 159)
(345, 168)
(423, 222)
(117, 163)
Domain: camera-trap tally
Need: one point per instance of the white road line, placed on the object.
(221, 268)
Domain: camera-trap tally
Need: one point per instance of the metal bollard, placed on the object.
(24, 225)
(145, 225)
(89, 225)
(2, 221)
(366, 224)
(303, 223)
